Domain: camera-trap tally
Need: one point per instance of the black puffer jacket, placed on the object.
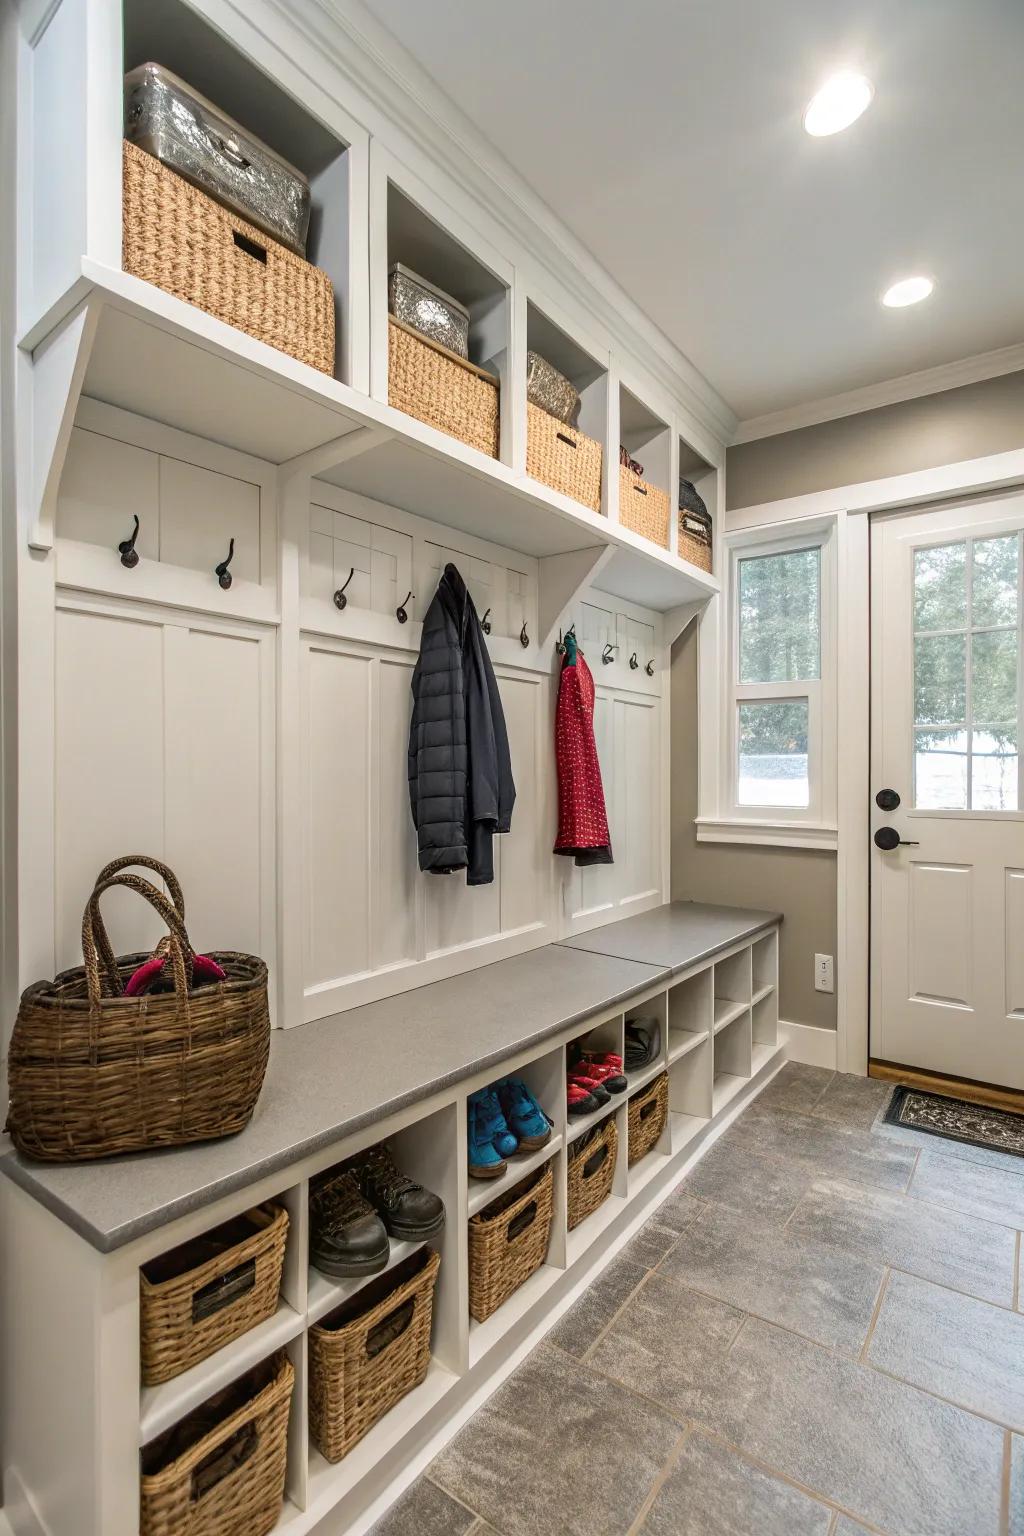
(460, 772)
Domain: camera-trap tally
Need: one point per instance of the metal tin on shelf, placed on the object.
(192, 137)
(551, 390)
(428, 309)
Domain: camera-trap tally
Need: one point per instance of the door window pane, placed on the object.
(940, 679)
(994, 769)
(940, 770)
(994, 676)
(994, 581)
(773, 753)
(779, 617)
(940, 587)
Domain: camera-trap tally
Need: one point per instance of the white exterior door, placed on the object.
(947, 897)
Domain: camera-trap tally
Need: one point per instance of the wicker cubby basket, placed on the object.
(221, 1470)
(182, 241)
(367, 1355)
(440, 388)
(643, 507)
(508, 1242)
(591, 1173)
(648, 1111)
(693, 549)
(199, 1297)
(563, 457)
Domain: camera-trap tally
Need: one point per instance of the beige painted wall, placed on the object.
(915, 434)
(799, 883)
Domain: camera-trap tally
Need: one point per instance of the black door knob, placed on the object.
(887, 838)
(887, 800)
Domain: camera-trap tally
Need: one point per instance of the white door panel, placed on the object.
(947, 903)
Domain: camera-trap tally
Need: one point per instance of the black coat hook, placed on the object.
(340, 600)
(560, 643)
(633, 662)
(221, 571)
(485, 622)
(649, 669)
(608, 654)
(400, 613)
(524, 638)
(126, 549)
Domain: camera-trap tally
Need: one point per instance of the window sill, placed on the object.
(770, 834)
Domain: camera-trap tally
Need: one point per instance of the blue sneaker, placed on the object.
(525, 1117)
(490, 1139)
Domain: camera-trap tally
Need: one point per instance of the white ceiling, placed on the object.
(667, 135)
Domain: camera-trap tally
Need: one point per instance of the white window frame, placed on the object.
(722, 818)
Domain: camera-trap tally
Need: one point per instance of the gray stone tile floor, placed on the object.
(818, 1333)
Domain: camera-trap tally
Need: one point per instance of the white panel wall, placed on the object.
(166, 737)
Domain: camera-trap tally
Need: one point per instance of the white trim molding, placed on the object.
(872, 397)
(811, 1044)
(775, 834)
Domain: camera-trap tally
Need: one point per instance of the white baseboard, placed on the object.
(806, 1042)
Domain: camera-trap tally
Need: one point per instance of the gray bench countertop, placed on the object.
(678, 935)
(329, 1079)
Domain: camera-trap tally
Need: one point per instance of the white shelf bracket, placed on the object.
(55, 376)
(562, 578)
(338, 451)
(676, 619)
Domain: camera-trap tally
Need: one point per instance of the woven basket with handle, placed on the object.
(220, 1471)
(367, 1355)
(648, 1111)
(563, 457)
(643, 507)
(176, 237)
(508, 1242)
(440, 388)
(93, 1072)
(200, 1296)
(591, 1173)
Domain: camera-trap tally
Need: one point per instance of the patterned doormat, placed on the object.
(957, 1120)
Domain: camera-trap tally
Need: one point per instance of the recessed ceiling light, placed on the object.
(839, 103)
(909, 290)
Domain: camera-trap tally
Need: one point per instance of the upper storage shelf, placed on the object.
(96, 330)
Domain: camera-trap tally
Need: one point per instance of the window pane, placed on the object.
(994, 770)
(940, 679)
(994, 581)
(773, 753)
(779, 617)
(940, 587)
(994, 676)
(940, 770)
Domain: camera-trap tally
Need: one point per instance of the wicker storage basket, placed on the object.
(643, 507)
(693, 549)
(508, 1242)
(440, 388)
(366, 1356)
(591, 1172)
(92, 1072)
(181, 240)
(220, 1471)
(207, 1292)
(563, 457)
(648, 1111)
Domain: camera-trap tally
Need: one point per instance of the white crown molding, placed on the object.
(383, 72)
(911, 386)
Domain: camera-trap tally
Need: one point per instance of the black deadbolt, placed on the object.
(887, 800)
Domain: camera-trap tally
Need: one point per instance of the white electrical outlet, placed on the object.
(823, 980)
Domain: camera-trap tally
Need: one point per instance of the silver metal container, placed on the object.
(428, 310)
(551, 390)
(191, 136)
